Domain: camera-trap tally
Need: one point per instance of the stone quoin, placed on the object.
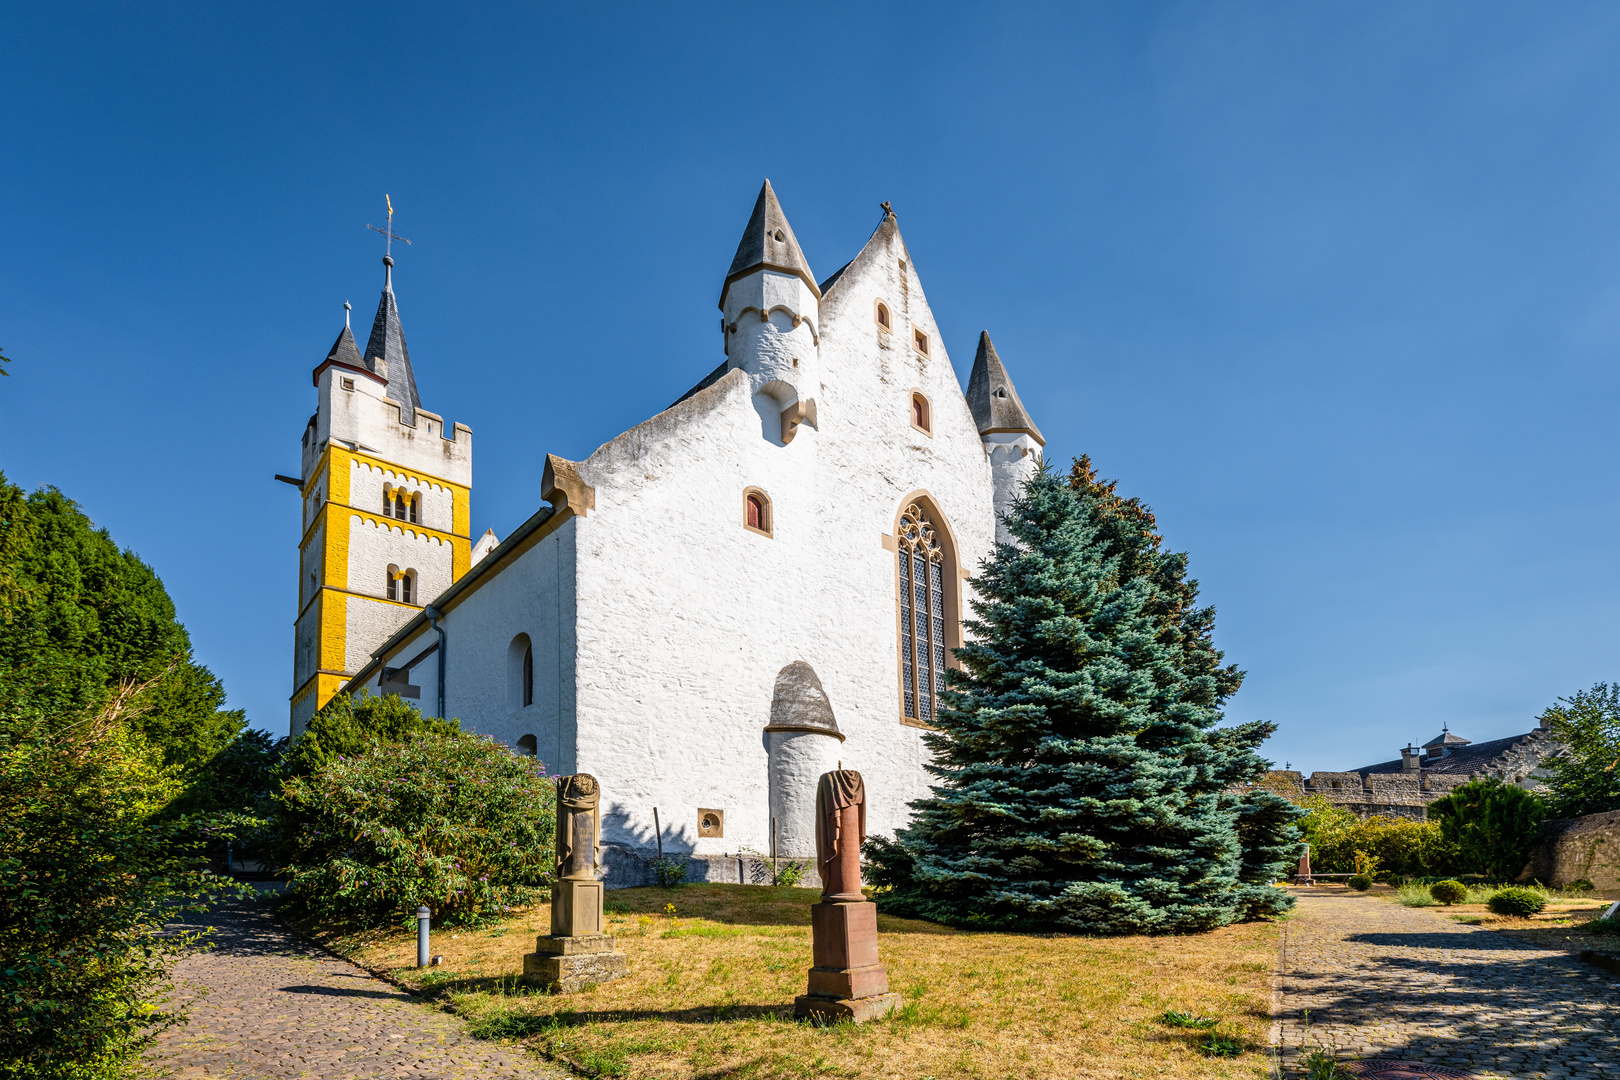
(718, 605)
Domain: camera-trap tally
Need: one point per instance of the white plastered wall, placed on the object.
(367, 484)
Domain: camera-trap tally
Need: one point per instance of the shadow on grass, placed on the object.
(755, 905)
(517, 1025)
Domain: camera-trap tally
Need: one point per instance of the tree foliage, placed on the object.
(1083, 782)
(89, 872)
(347, 725)
(1587, 779)
(1398, 846)
(79, 618)
(1491, 826)
(454, 821)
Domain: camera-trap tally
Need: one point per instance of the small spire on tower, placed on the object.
(768, 241)
(991, 396)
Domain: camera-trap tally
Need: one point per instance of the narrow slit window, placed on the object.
(393, 585)
(921, 565)
(416, 502)
(528, 675)
(405, 590)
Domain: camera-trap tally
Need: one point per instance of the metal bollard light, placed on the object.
(423, 917)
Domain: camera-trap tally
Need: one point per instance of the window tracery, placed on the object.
(921, 564)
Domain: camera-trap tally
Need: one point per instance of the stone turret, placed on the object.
(1011, 440)
(771, 315)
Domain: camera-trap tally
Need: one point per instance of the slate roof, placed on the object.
(388, 342)
(768, 241)
(1464, 759)
(992, 398)
(345, 351)
(703, 384)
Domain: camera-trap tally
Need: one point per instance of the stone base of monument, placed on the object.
(847, 982)
(568, 965)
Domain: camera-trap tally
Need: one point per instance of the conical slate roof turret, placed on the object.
(992, 398)
(345, 351)
(388, 344)
(768, 242)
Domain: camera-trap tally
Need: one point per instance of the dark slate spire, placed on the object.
(388, 344)
(991, 396)
(345, 351)
(768, 242)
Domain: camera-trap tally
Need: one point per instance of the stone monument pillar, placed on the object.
(576, 953)
(847, 982)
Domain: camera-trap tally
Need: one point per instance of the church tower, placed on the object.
(1011, 440)
(770, 310)
(386, 490)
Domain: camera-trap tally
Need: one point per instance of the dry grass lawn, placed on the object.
(711, 989)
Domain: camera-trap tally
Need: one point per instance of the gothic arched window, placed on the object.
(923, 614)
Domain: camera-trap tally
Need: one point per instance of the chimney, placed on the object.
(1409, 759)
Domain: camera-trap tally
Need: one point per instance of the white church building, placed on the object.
(760, 582)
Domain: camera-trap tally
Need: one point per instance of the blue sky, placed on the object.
(1334, 287)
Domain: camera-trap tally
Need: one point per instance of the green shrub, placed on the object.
(1491, 825)
(453, 821)
(1449, 892)
(1580, 885)
(669, 871)
(1399, 846)
(1603, 926)
(347, 726)
(1360, 882)
(1516, 900)
(88, 875)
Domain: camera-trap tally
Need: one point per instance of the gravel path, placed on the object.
(1381, 980)
(266, 1003)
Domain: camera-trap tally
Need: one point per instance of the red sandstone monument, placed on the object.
(847, 982)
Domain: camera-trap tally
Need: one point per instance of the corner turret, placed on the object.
(1011, 440)
(771, 314)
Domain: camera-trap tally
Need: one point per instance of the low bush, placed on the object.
(1449, 892)
(1603, 926)
(457, 822)
(1360, 882)
(89, 873)
(1517, 900)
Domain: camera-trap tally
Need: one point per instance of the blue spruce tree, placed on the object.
(1083, 783)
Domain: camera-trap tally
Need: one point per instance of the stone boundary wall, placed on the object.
(1575, 848)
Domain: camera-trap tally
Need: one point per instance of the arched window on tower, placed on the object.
(393, 582)
(407, 587)
(925, 611)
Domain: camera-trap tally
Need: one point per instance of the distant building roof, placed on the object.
(1464, 757)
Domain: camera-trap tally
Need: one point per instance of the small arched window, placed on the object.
(393, 582)
(885, 321)
(528, 746)
(925, 612)
(757, 511)
(407, 587)
(528, 675)
(520, 672)
(920, 418)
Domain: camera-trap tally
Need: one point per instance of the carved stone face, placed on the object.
(584, 785)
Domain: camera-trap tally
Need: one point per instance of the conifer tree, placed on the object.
(1083, 783)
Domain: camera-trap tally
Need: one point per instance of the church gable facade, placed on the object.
(760, 582)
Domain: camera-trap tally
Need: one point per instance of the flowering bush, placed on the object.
(457, 822)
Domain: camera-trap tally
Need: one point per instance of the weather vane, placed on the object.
(389, 235)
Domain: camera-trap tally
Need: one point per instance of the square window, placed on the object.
(348, 384)
(919, 341)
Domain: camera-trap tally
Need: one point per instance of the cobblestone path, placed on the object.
(265, 1003)
(1381, 980)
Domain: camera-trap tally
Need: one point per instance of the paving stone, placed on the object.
(266, 1003)
(1381, 980)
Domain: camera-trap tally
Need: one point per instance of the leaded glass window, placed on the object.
(921, 565)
